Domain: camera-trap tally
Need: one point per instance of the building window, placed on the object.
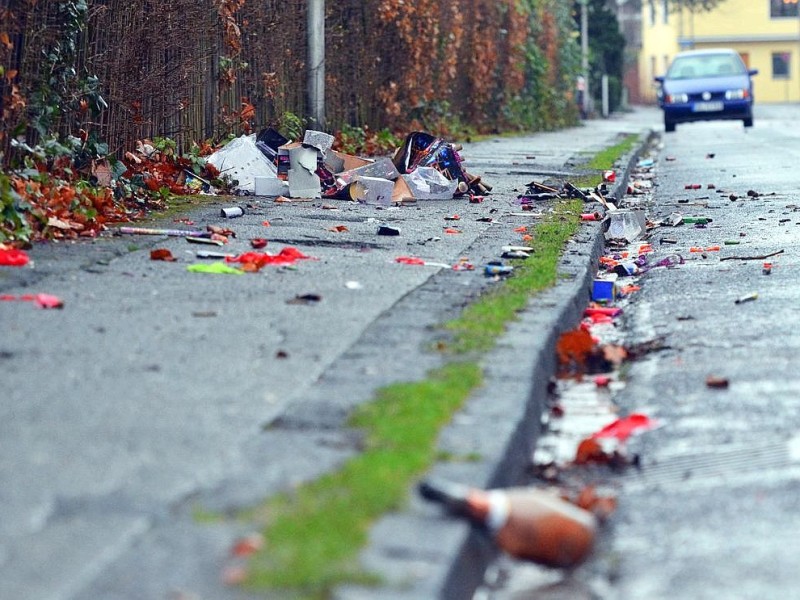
(780, 65)
(652, 6)
(665, 10)
(782, 8)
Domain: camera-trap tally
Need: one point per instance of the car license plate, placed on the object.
(707, 106)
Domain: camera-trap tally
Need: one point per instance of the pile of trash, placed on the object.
(268, 164)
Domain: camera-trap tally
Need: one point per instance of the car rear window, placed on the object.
(709, 65)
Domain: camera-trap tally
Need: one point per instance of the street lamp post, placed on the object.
(585, 53)
(316, 62)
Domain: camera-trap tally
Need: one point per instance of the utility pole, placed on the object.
(316, 62)
(585, 53)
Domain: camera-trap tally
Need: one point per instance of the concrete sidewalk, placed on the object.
(148, 397)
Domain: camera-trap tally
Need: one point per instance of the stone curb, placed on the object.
(424, 554)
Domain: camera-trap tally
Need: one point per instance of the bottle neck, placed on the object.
(488, 508)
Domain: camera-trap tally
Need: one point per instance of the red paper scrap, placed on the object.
(41, 300)
(409, 260)
(11, 257)
(625, 427)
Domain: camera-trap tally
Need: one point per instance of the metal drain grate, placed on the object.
(731, 465)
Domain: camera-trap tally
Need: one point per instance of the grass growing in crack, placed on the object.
(483, 321)
(604, 160)
(314, 533)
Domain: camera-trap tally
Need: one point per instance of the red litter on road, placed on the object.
(41, 300)
(622, 429)
(11, 257)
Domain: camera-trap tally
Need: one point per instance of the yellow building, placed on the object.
(765, 32)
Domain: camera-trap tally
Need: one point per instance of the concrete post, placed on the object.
(585, 54)
(316, 63)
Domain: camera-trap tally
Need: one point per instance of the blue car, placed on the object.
(706, 85)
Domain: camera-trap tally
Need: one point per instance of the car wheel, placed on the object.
(669, 126)
(748, 122)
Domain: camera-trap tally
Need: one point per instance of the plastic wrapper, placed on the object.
(427, 183)
(626, 224)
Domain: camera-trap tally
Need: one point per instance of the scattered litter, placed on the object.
(231, 212)
(255, 261)
(211, 254)
(258, 243)
(715, 382)
(269, 186)
(626, 225)
(375, 191)
(605, 289)
(623, 428)
(493, 270)
(339, 228)
(12, 257)
(354, 285)
(387, 230)
(248, 545)
(746, 298)
(427, 183)
(162, 254)
(697, 220)
(516, 254)
(215, 268)
(413, 260)
(307, 299)
(41, 300)
(242, 161)
(152, 231)
(766, 268)
(193, 239)
(759, 257)
(520, 519)
(602, 381)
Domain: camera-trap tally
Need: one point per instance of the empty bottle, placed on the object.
(527, 523)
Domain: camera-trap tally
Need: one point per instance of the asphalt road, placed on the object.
(712, 513)
(157, 392)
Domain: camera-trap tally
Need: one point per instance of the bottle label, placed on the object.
(498, 510)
